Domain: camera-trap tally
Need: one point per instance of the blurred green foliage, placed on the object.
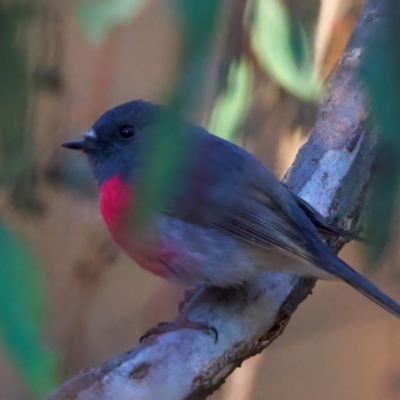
(231, 106)
(170, 150)
(21, 294)
(288, 61)
(380, 70)
(22, 306)
(98, 17)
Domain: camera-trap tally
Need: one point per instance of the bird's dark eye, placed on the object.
(126, 131)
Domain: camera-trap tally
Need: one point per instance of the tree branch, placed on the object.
(331, 172)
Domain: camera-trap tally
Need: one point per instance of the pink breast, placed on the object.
(116, 204)
(117, 207)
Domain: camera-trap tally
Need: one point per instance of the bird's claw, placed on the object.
(209, 330)
(164, 327)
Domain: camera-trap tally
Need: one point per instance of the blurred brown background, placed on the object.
(338, 345)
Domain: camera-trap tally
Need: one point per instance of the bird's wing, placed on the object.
(232, 191)
(260, 225)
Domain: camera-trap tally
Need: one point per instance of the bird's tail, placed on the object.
(338, 267)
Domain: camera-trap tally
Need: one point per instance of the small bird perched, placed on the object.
(232, 220)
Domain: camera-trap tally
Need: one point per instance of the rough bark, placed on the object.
(331, 172)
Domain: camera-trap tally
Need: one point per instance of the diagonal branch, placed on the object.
(331, 172)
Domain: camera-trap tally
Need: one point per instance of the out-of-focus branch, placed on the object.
(331, 172)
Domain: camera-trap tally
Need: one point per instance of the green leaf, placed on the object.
(22, 309)
(232, 104)
(271, 39)
(98, 17)
(380, 70)
(165, 160)
(170, 148)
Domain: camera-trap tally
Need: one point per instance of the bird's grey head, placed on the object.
(114, 141)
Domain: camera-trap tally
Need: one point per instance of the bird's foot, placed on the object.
(180, 323)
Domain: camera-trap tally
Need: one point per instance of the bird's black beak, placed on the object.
(80, 145)
(87, 143)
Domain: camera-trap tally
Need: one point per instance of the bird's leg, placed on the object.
(183, 321)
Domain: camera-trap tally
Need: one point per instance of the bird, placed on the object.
(229, 220)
